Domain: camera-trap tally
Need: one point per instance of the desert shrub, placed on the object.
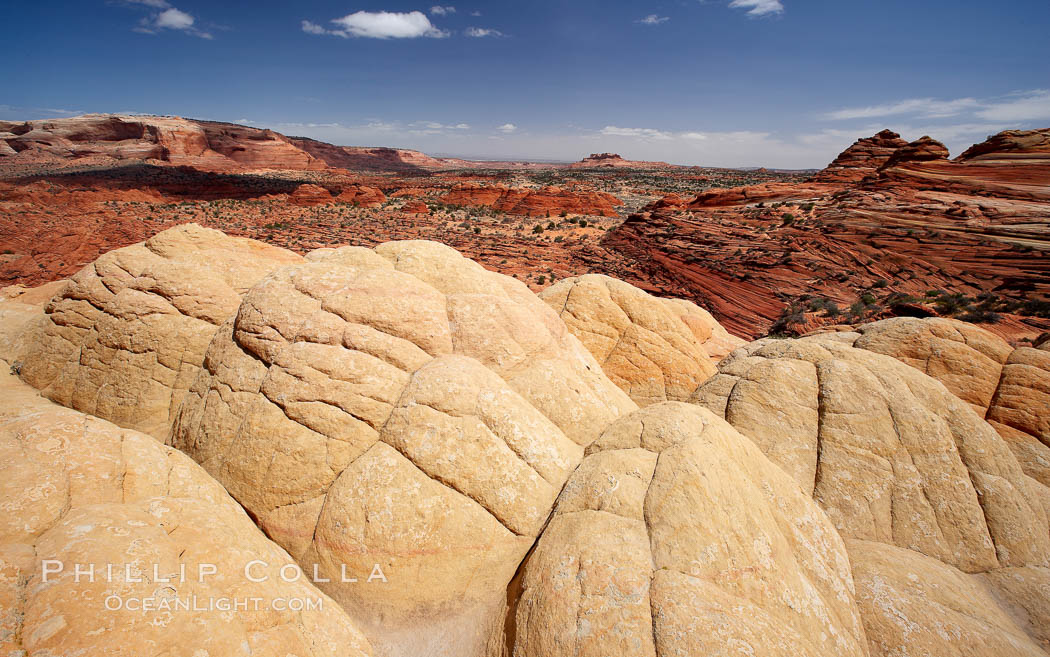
(981, 317)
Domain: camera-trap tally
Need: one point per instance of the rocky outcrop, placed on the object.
(415, 207)
(925, 149)
(106, 532)
(1020, 409)
(348, 405)
(1006, 386)
(770, 192)
(309, 195)
(967, 359)
(676, 536)
(1011, 146)
(643, 343)
(544, 202)
(863, 158)
(124, 339)
(361, 196)
(889, 453)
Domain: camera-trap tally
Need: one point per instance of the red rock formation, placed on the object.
(924, 149)
(1010, 146)
(169, 139)
(861, 159)
(755, 193)
(310, 195)
(362, 196)
(415, 207)
(545, 202)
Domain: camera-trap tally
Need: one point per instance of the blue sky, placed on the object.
(780, 83)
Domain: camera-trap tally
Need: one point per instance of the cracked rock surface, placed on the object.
(654, 349)
(406, 407)
(890, 453)
(126, 336)
(676, 536)
(80, 490)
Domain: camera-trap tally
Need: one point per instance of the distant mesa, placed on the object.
(614, 161)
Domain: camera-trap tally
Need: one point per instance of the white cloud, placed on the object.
(653, 19)
(480, 32)
(475, 14)
(759, 7)
(638, 133)
(174, 19)
(380, 25)
(507, 128)
(438, 10)
(1025, 106)
(698, 136)
(170, 18)
(926, 107)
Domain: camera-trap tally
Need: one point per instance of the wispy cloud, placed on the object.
(925, 107)
(379, 25)
(438, 10)
(653, 19)
(1033, 105)
(1024, 106)
(638, 133)
(758, 7)
(508, 128)
(480, 32)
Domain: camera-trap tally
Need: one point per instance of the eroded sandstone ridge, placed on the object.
(878, 490)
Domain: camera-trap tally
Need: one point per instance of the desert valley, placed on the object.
(889, 228)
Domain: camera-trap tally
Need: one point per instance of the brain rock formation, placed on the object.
(125, 338)
(348, 405)
(676, 536)
(654, 349)
(916, 605)
(1008, 387)
(889, 452)
(81, 492)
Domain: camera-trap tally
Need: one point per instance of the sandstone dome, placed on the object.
(654, 349)
(1008, 387)
(406, 407)
(78, 490)
(676, 536)
(125, 337)
(889, 452)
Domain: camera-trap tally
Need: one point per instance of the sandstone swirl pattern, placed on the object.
(676, 536)
(125, 338)
(405, 407)
(655, 349)
(80, 490)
